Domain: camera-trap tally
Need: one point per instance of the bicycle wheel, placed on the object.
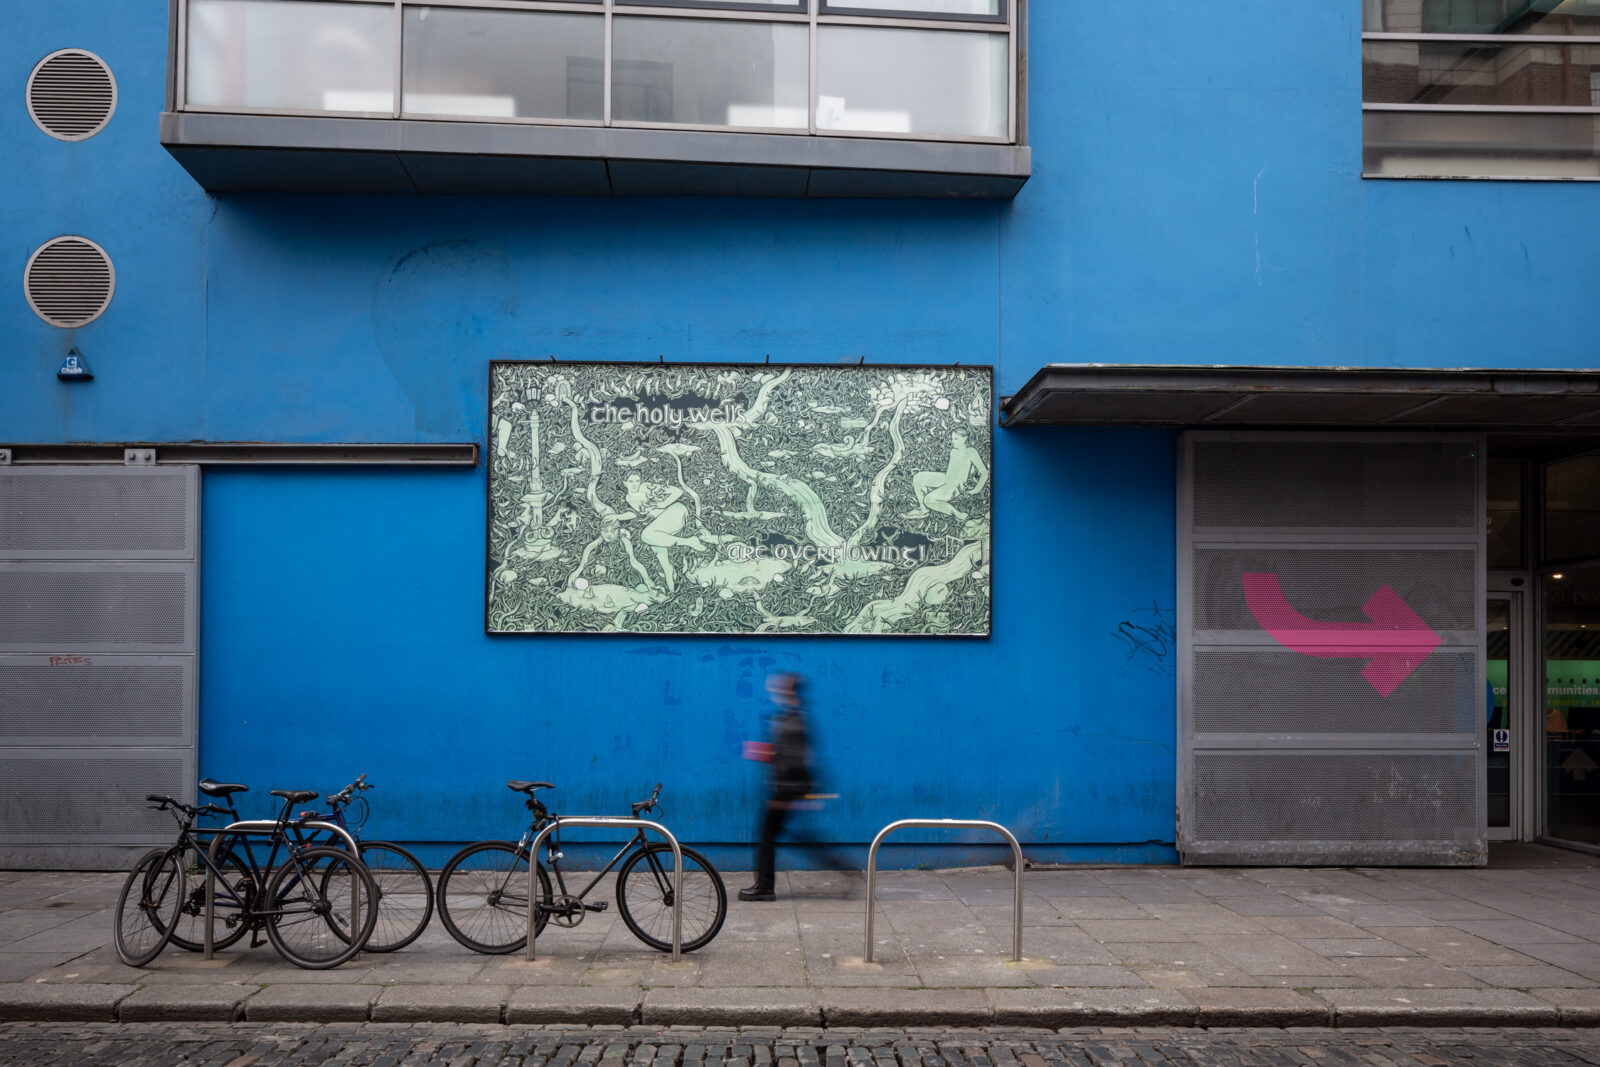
(147, 908)
(405, 895)
(235, 901)
(483, 897)
(321, 907)
(644, 897)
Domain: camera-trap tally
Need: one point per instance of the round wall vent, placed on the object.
(71, 94)
(69, 281)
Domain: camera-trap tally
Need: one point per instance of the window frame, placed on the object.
(811, 13)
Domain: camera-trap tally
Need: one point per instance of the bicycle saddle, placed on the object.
(220, 789)
(528, 787)
(296, 796)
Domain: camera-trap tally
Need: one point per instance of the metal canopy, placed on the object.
(294, 153)
(1097, 394)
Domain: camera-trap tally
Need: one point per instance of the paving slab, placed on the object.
(1578, 1007)
(905, 1007)
(217, 1002)
(578, 1005)
(1208, 946)
(311, 1004)
(1091, 1007)
(89, 1002)
(1438, 1007)
(1258, 1007)
(731, 1007)
(441, 1003)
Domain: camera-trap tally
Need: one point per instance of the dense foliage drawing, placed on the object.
(653, 498)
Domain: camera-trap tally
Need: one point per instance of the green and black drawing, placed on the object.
(653, 498)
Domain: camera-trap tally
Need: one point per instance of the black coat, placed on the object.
(791, 756)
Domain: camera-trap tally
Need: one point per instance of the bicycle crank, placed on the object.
(565, 910)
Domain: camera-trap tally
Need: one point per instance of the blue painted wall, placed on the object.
(1196, 199)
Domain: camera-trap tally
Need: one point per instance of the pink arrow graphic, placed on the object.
(1396, 640)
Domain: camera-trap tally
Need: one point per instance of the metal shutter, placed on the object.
(98, 635)
(1331, 628)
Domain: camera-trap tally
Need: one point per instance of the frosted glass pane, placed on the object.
(1465, 144)
(503, 64)
(918, 7)
(290, 55)
(928, 82)
(709, 72)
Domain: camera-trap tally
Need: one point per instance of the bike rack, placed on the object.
(258, 826)
(976, 824)
(602, 821)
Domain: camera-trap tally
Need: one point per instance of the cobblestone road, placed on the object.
(415, 1045)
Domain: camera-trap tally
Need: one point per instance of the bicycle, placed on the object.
(404, 888)
(318, 909)
(483, 894)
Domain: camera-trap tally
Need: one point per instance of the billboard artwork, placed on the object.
(736, 499)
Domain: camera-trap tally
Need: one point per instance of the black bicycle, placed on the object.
(483, 890)
(405, 892)
(318, 907)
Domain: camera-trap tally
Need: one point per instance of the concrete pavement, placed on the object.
(1515, 944)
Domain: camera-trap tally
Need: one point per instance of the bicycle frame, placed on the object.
(279, 832)
(554, 823)
(554, 850)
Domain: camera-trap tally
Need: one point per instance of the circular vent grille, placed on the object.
(71, 94)
(69, 281)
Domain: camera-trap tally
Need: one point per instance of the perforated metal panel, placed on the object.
(98, 620)
(1397, 802)
(1305, 484)
(1331, 685)
(97, 513)
(90, 796)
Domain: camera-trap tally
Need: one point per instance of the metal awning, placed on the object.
(1542, 402)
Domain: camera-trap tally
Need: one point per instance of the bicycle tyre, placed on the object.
(147, 907)
(644, 897)
(313, 928)
(190, 932)
(471, 888)
(405, 895)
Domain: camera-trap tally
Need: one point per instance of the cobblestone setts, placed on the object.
(485, 1045)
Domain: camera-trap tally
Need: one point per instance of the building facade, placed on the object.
(1274, 540)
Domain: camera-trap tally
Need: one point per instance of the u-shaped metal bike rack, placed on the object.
(602, 821)
(973, 824)
(261, 826)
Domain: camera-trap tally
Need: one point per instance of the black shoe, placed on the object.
(757, 892)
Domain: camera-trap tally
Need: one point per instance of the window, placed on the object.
(942, 70)
(1481, 88)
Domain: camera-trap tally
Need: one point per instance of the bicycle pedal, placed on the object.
(599, 905)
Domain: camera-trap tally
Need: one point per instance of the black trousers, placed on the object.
(773, 820)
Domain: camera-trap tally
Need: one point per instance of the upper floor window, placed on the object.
(942, 70)
(1481, 88)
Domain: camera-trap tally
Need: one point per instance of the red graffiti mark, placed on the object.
(65, 661)
(1396, 640)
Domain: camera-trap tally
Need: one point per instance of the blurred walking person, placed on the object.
(788, 759)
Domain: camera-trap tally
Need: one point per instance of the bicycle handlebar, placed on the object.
(162, 803)
(640, 806)
(360, 785)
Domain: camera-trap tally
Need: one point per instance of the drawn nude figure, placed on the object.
(936, 490)
(667, 515)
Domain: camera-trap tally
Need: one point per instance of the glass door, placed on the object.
(1503, 705)
(1572, 704)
